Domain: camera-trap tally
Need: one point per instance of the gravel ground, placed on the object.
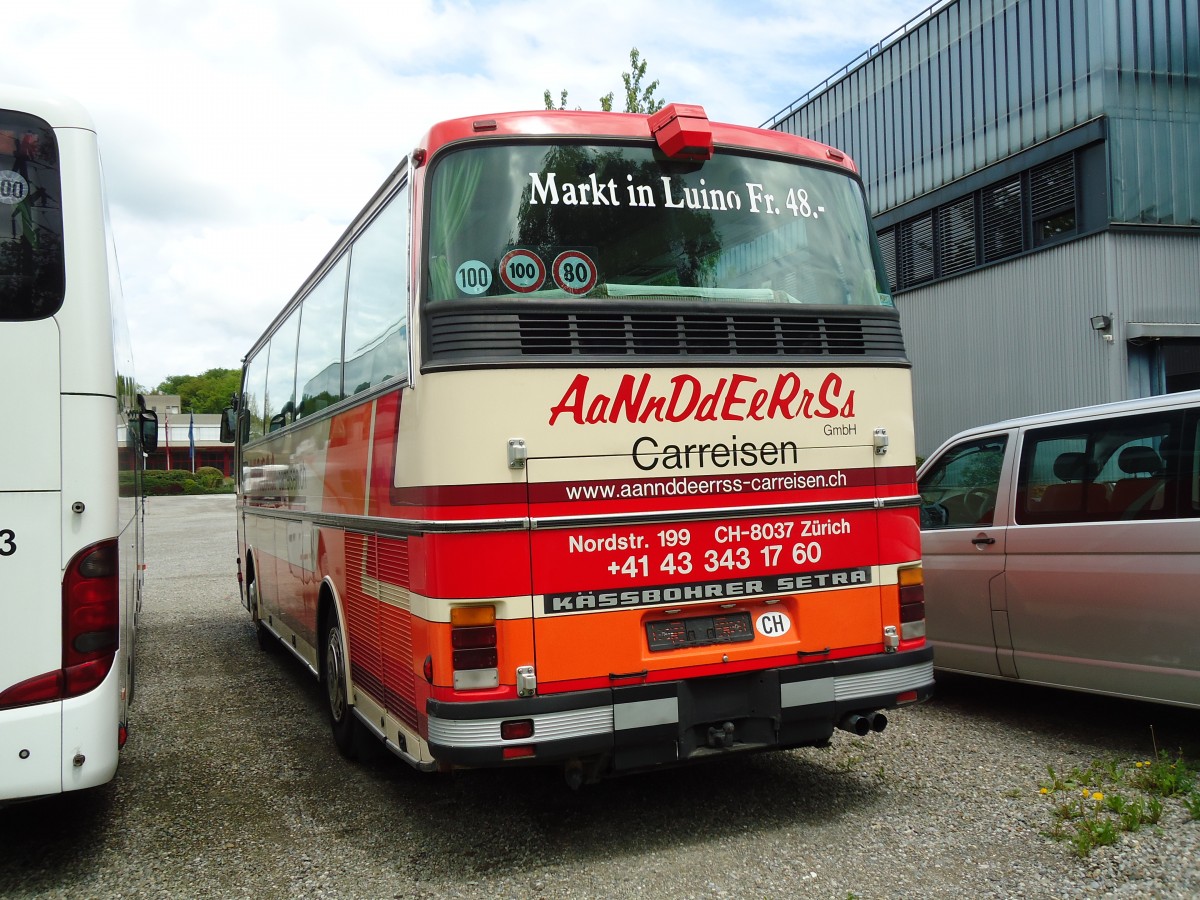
(230, 787)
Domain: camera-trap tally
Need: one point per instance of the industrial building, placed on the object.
(1033, 167)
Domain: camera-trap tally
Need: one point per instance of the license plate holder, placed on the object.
(699, 631)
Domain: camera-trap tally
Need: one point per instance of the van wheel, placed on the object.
(342, 721)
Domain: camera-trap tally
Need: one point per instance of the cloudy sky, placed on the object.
(239, 137)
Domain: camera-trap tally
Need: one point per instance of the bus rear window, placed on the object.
(620, 222)
(32, 270)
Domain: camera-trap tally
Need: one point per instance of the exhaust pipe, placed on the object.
(855, 724)
(863, 724)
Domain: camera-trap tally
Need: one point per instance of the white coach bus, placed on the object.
(70, 523)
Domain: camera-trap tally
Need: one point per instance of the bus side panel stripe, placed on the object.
(396, 640)
(361, 604)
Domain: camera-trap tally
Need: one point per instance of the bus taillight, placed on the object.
(91, 617)
(473, 640)
(912, 602)
(91, 630)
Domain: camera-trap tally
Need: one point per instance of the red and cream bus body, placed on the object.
(590, 443)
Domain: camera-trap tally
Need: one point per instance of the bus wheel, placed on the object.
(266, 640)
(342, 722)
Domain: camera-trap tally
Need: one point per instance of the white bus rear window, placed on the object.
(32, 273)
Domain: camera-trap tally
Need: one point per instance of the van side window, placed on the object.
(959, 490)
(1106, 470)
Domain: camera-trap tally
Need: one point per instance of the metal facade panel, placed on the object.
(1016, 338)
(973, 82)
(1157, 277)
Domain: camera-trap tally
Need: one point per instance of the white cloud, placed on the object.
(240, 136)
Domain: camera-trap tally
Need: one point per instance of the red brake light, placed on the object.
(39, 689)
(912, 603)
(91, 617)
(91, 630)
(516, 729)
(482, 658)
(682, 131)
(481, 636)
(473, 637)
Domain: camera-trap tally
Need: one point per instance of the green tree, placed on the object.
(637, 98)
(206, 393)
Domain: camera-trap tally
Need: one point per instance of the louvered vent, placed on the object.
(1052, 187)
(1002, 221)
(956, 236)
(887, 248)
(916, 249)
(459, 335)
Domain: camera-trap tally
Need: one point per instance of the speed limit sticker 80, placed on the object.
(574, 272)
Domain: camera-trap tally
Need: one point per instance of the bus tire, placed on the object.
(266, 640)
(335, 684)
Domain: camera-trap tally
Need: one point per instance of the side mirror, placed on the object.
(228, 424)
(148, 430)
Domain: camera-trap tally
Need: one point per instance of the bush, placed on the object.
(206, 480)
(210, 477)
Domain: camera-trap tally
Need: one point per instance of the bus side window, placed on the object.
(254, 393)
(377, 299)
(281, 374)
(319, 353)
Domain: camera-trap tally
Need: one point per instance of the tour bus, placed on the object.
(70, 537)
(1061, 549)
(598, 452)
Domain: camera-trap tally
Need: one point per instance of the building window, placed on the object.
(1002, 221)
(1052, 199)
(916, 250)
(956, 236)
(887, 249)
(1028, 210)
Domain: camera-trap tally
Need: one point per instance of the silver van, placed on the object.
(1064, 549)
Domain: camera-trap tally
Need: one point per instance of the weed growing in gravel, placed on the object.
(1192, 804)
(1164, 777)
(1092, 806)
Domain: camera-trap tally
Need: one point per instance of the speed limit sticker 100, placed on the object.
(522, 271)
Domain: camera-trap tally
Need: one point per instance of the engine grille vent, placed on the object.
(460, 335)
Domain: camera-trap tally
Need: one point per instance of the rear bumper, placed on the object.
(668, 722)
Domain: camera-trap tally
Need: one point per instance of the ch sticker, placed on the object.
(773, 624)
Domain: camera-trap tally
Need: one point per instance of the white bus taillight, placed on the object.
(473, 641)
(912, 603)
(91, 617)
